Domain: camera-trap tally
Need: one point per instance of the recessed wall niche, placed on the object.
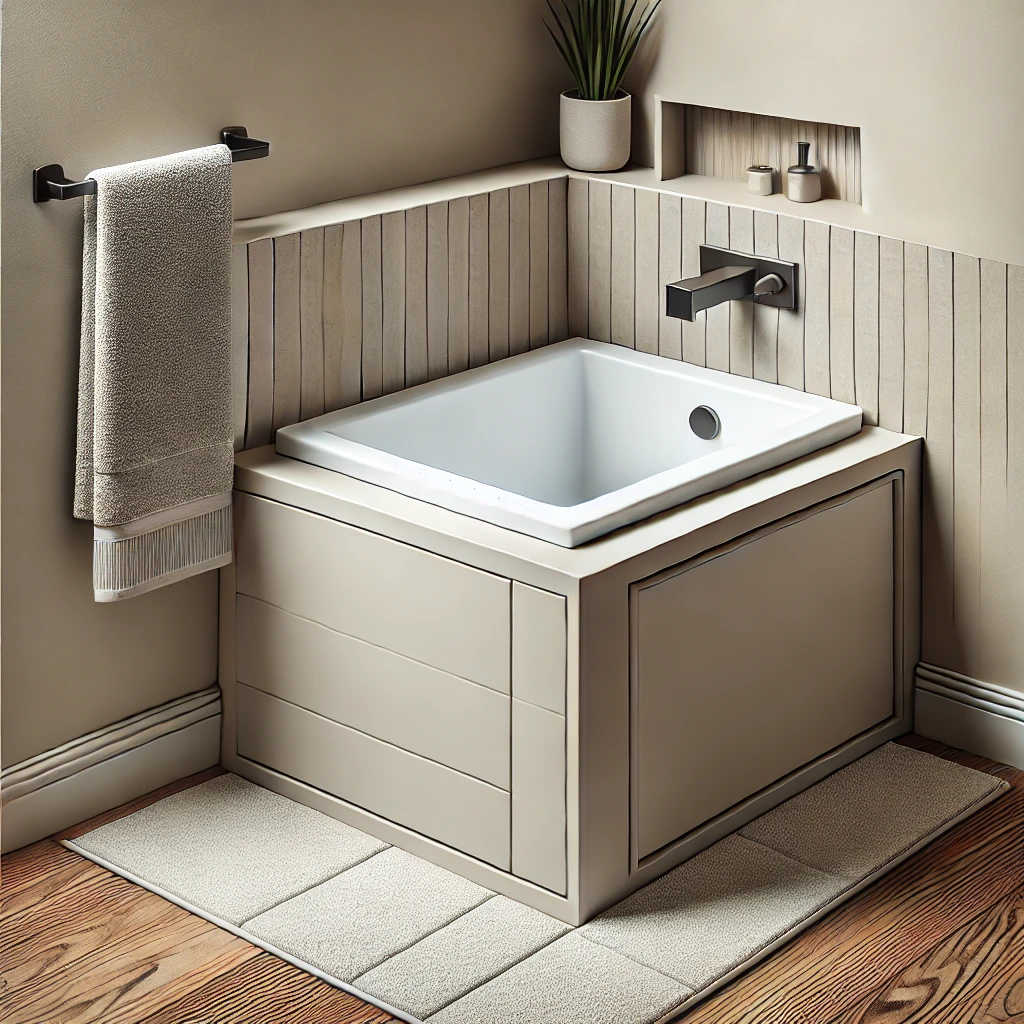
(724, 143)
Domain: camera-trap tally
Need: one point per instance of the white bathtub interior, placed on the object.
(571, 441)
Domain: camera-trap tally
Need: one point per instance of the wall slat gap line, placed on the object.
(538, 264)
(670, 269)
(890, 333)
(352, 310)
(623, 265)
(942, 646)
(287, 346)
(599, 247)
(578, 257)
(1014, 641)
(393, 300)
(458, 285)
(741, 314)
(791, 321)
(998, 570)
(373, 309)
(437, 290)
(478, 280)
(260, 403)
(716, 232)
(840, 314)
(558, 283)
(417, 351)
(865, 323)
(646, 285)
(915, 338)
(817, 355)
(694, 231)
(239, 341)
(311, 322)
(967, 457)
(498, 274)
(766, 318)
(724, 143)
(519, 270)
(333, 319)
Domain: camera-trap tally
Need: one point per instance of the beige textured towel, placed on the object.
(154, 464)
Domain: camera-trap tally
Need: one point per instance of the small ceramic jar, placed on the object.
(803, 181)
(759, 180)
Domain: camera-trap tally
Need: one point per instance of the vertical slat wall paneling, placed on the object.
(942, 646)
(599, 247)
(416, 353)
(458, 285)
(623, 265)
(334, 320)
(865, 323)
(840, 311)
(997, 568)
(1015, 450)
(647, 291)
(791, 321)
(717, 345)
(915, 339)
(578, 244)
(558, 281)
(498, 274)
(311, 322)
(670, 269)
(352, 309)
(260, 403)
(890, 333)
(239, 340)
(373, 309)
(817, 372)
(741, 315)
(287, 347)
(392, 243)
(519, 269)
(538, 264)
(694, 333)
(437, 290)
(478, 283)
(967, 457)
(766, 318)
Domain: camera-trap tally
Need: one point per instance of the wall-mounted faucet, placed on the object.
(729, 275)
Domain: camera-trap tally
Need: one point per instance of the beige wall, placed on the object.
(937, 87)
(355, 96)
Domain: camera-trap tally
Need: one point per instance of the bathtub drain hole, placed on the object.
(704, 422)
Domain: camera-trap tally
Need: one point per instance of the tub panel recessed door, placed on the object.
(753, 660)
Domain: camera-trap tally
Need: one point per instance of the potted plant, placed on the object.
(597, 40)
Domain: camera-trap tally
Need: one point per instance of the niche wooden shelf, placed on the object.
(716, 143)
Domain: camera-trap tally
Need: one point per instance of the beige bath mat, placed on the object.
(428, 945)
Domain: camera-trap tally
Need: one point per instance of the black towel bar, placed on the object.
(49, 182)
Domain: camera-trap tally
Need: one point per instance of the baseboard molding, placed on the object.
(109, 767)
(980, 717)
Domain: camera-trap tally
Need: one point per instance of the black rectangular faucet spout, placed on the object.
(686, 298)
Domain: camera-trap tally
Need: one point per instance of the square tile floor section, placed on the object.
(231, 848)
(440, 948)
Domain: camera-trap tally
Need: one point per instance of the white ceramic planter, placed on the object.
(594, 134)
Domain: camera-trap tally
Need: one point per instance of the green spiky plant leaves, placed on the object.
(598, 40)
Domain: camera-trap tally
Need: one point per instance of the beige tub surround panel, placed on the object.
(434, 610)
(783, 694)
(538, 796)
(426, 711)
(539, 647)
(425, 796)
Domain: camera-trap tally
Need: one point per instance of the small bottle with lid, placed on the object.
(803, 179)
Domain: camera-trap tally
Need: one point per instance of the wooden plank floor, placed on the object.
(938, 941)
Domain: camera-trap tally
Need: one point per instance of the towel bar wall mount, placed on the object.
(49, 182)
